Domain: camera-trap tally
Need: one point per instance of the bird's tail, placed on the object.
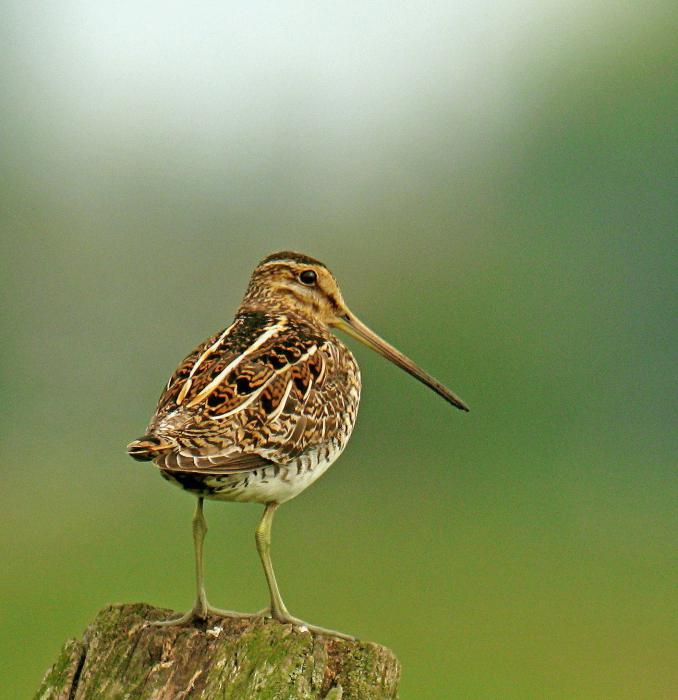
(149, 447)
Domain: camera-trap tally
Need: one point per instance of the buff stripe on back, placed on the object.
(263, 338)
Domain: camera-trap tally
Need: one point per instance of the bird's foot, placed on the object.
(179, 620)
(199, 612)
(287, 619)
(219, 612)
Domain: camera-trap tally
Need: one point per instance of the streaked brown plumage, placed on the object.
(268, 399)
(261, 409)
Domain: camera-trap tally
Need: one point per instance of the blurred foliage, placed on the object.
(495, 191)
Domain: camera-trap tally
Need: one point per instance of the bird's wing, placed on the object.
(187, 460)
(255, 398)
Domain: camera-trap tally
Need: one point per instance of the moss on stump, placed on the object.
(121, 656)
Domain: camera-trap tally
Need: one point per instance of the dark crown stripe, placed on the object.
(290, 256)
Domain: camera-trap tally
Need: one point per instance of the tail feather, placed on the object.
(148, 447)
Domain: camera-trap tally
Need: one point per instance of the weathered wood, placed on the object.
(122, 656)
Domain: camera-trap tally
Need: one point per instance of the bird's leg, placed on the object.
(199, 532)
(201, 608)
(263, 539)
(278, 611)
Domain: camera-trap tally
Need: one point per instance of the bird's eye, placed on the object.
(308, 277)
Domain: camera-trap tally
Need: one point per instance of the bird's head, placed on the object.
(295, 282)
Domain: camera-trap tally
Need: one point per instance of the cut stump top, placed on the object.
(122, 656)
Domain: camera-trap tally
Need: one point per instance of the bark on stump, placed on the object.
(121, 656)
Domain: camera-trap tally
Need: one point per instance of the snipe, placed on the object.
(260, 410)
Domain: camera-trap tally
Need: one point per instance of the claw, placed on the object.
(303, 626)
(199, 613)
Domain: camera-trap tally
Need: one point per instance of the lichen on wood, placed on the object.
(122, 656)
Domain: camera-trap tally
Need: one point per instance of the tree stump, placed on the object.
(122, 656)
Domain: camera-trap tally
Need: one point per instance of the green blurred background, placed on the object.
(493, 185)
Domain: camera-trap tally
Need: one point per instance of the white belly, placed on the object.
(271, 484)
(278, 488)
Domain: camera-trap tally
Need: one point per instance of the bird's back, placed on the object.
(272, 392)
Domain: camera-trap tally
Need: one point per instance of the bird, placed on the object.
(260, 410)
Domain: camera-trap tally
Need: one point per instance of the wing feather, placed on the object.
(231, 464)
(253, 396)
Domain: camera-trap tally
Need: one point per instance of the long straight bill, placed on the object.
(357, 329)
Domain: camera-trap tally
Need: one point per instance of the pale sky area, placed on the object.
(332, 78)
